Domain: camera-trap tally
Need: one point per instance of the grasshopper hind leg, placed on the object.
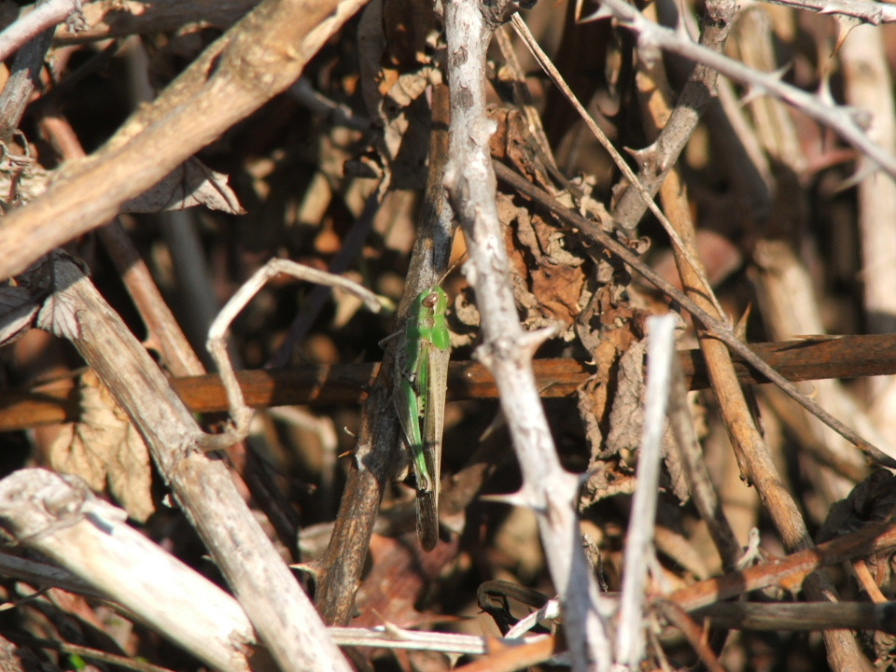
(427, 519)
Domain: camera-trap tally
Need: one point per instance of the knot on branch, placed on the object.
(35, 501)
(498, 12)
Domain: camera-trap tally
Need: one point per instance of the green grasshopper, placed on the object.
(419, 398)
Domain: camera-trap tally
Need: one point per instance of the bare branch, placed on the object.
(255, 60)
(507, 350)
(45, 15)
(268, 592)
(639, 546)
(874, 13)
(62, 519)
(848, 122)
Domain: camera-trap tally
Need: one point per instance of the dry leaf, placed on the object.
(189, 185)
(394, 87)
(627, 412)
(17, 312)
(105, 449)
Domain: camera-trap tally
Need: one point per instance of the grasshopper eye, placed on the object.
(431, 300)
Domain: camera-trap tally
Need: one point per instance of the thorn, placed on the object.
(753, 93)
(740, 329)
(780, 72)
(868, 169)
(643, 156)
(845, 24)
(532, 340)
(312, 569)
(603, 12)
(522, 497)
(497, 423)
(824, 89)
(392, 630)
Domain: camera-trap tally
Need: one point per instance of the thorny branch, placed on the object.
(660, 157)
(849, 123)
(716, 328)
(507, 349)
(750, 447)
(875, 13)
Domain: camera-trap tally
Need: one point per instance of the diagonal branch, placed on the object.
(254, 61)
(659, 158)
(848, 123)
(714, 327)
(265, 587)
(874, 13)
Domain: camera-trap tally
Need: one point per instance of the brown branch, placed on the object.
(716, 328)
(802, 616)
(375, 457)
(843, 357)
(788, 572)
(255, 60)
(750, 447)
(507, 659)
(696, 636)
(659, 158)
(164, 331)
(119, 18)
